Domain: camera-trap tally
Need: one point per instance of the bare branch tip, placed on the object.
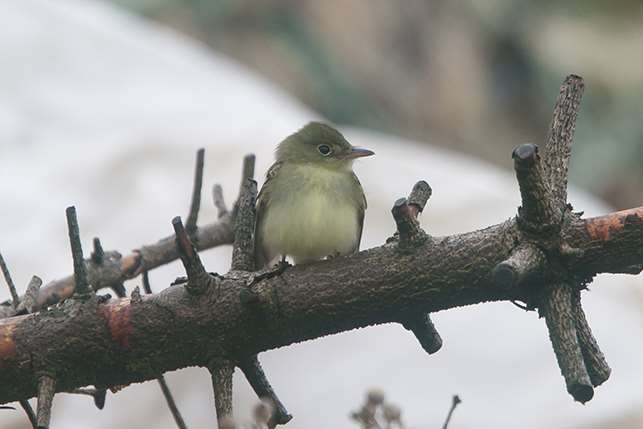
(195, 203)
(169, 398)
(255, 375)
(219, 202)
(248, 171)
(15, 299)
(81, 288)
(98, 254)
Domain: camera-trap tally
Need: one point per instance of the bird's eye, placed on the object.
(324, 149)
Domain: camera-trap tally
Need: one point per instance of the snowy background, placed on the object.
(105, 111)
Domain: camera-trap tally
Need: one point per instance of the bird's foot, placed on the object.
(274, 271)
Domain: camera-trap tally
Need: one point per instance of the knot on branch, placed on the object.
(525, 261)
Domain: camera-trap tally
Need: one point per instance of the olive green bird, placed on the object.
(311, 205)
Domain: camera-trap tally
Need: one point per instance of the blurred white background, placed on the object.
(105, 111)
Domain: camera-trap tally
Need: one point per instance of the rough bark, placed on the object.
(120, 342)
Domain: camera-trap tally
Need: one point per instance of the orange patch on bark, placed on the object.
(600, 228)
(7, 343)
(119, 321)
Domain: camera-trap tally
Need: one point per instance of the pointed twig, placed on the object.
(537, 213)
(561, 135)
(251, 368)
(98, 254)
(454, 403)
(29, 412)
(221, 373)
(82, 289)
(244, 224)
(197, 275)
(247, 172)
(556, 307)
(597, 366)
(46, 391)
(180, 423)
(195, 205)
(219, 202)
(525, 260)
(15, 299)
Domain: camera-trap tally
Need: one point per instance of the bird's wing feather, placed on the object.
(261, 259)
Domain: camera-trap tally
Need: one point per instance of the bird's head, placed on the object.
(319, 144)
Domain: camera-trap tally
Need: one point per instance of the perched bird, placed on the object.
(311, 205)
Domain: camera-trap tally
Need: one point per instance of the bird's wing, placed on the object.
(361, 208)
(261, 259)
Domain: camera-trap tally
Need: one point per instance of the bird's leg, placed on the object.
(268, 273)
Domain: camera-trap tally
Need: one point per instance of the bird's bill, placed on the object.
(358, 152)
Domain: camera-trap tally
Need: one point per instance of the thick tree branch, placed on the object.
(304, 302)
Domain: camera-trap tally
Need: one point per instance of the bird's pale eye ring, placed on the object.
(324, 149)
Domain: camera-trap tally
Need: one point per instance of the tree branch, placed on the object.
(558, 148)
(310, 300)
(111, 269)
(15, 299)
(556, 307)
(251, 368)
(195, 204)
(207, 323)
(221, 372)
(46, 390)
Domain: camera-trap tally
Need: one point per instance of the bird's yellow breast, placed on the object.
(311, 221)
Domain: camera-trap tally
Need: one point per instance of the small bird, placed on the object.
(311, 205)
